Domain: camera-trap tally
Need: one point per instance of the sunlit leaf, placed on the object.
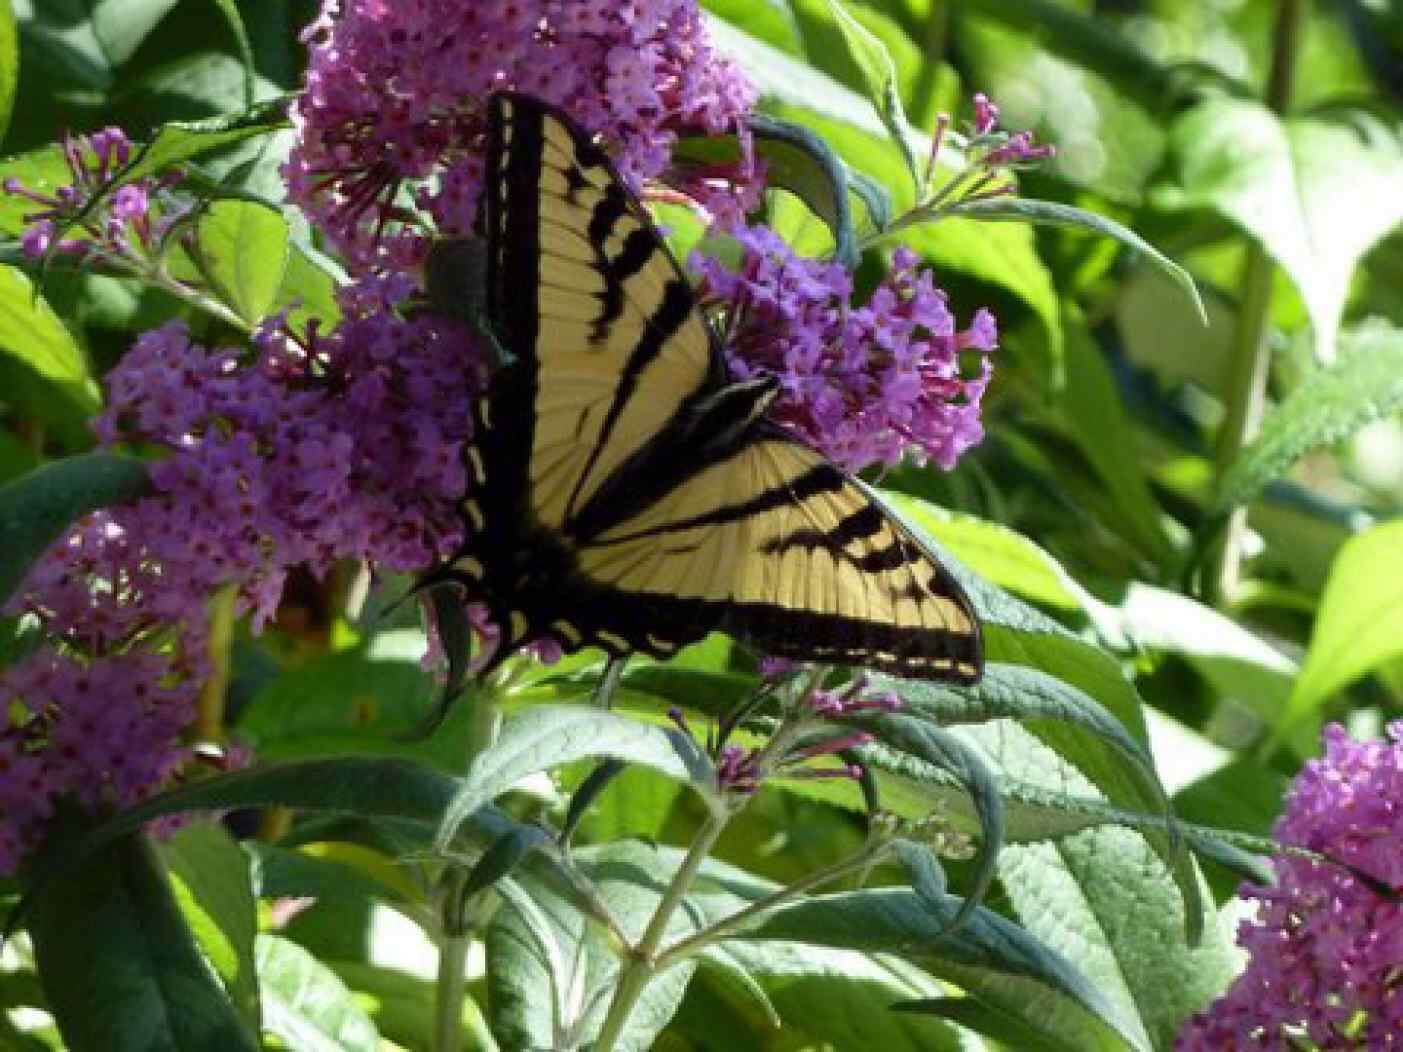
(1054, 213)
(879, 72)
(547, 736)
(9, 64)
(32, 333)
(306, 1005)
(210, 875)
(1360, 623)
(243, 253)
(1317, 192)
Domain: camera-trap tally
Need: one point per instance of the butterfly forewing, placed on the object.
(588, 298)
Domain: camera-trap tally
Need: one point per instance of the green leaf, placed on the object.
(306, 1005)
(822, 998)
(997, 553)
(1317, 192)
(120, 969)
(1057, 214)
(9, 64)
(243, 251)
(281, 872)
(735, 982)
(551, 972)
(36, 508)
(402, 1007)
(359, 787)
(308, 290)
(923, 871)
(990, 957)
(230, 10)
(1105, 892)
(179, 141)
(796, 160)
(545, 736)
(970, 1013)
(1064, 715)
(875, 62)
(31, 332)
(1360, 622)
(1232, 659)
(945, 751)
(210, 875)
(502, 856)
(1094, 417)
(1092, 41)
(782, 78)
(42, 170)
(1327, 406)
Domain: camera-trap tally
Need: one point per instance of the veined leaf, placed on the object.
(1329, 405)
(990, 957)
(1055, 213)
(179, 141)
(1316, 192)
(243, 253)
(878, 69)
(306, 1005)
(546, 736)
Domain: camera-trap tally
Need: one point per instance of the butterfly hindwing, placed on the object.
(785, 550)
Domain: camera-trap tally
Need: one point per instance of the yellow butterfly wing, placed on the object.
(623, 494)
(788, 552)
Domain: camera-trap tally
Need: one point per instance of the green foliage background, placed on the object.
(1220, 576)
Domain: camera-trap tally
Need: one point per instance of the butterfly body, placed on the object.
(623, 493)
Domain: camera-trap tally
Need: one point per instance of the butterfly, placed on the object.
(623, 493)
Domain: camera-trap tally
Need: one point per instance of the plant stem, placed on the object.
(459, 918)
(937, 27)
(723, 929)
(1246, 398)
(642, 965)
(209, 709)
(450, 991)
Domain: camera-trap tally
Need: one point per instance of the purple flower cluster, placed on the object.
(392, 115)
(103, 731)
(120, 228)
(350, 447)
(743, 770)
(344, 446)
(864, 385)
(1326, 950)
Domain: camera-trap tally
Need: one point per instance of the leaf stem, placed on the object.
(1251, 366)
(738, 921)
